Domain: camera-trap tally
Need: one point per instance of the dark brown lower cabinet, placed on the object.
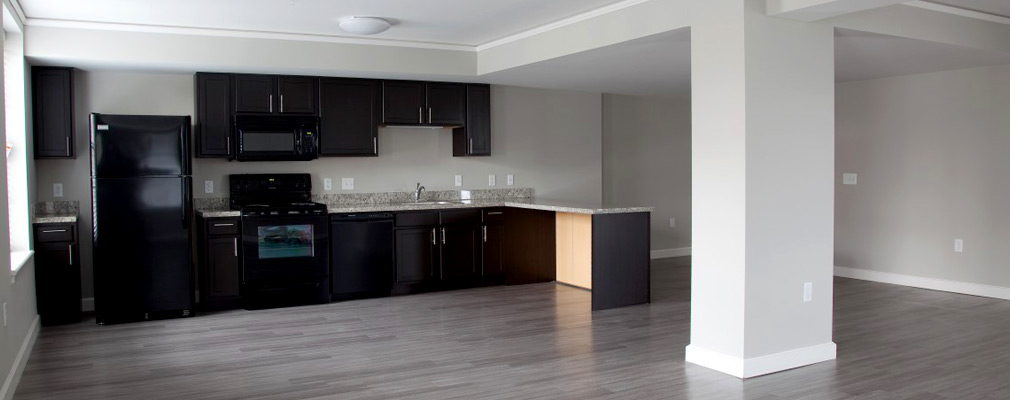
(57, 274)
(460, 253)
(530, 246)
(220, 263)
(416, 251)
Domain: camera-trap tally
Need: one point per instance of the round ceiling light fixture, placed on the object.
(364, 25)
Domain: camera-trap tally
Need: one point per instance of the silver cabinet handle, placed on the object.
(227, 142)
(53, 230)
(282, 103)
(471, 145)
(70, 253)
(485, 233)
(234, 246)
(420, 115)
(224, 224)
(443, 235)
(270, 99)
(432, 236)
(375, 145)
(68, 145)
(429, 115)
(494, 213)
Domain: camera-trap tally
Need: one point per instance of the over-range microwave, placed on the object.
(276, 138)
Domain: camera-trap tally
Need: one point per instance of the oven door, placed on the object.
(284, 248)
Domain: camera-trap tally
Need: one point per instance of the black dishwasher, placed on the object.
(361, 263)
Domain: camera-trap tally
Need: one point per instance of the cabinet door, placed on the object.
(254, 94)
(446, 104)
(53, 112)
(460, 252)
(297, 95)
(223, 267)
(493, 254)
(349, 117)
(474, 139)
(416, 254)
(403, 103)
(57, 283)
(213, 115)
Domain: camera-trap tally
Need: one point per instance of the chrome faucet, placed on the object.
(417, 192)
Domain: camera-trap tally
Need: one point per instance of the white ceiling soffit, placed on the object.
(816, 10)
(441, 24)
(862, 55)
(986, 10)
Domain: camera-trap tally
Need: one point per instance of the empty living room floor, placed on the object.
(522, 342)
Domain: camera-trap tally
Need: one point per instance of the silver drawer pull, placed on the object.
(54, 230)
(70, 253)
(224, 224)
(495, 213)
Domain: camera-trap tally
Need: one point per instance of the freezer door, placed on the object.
(142, 259)
(139, 145)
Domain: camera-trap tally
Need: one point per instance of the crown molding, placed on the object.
(561, 24)
(959, 11)
(19, 11)
(179, 30)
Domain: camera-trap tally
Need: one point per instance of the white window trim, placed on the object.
(19, 259)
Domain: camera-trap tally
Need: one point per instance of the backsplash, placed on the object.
(56, 208)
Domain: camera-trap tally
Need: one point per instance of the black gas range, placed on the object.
(285, 240)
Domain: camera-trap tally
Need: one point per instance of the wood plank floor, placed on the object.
(522, 342)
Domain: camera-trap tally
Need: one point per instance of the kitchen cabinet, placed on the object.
(53, 108)
(416, 254)
(493, 245)
(349, 112)
(437, 249)
(474, 137)
(361, 259)
(530, 246)
(57, 274)
(461, 234)
(267, 94)
(220, 263)
(213, 115)
(423, 103)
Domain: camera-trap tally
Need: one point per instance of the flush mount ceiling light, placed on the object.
(364, 25)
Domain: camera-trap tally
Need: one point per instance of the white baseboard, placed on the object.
(944, 285)
(14, 376)
(757, 366)
(667, 253)
(88, 304)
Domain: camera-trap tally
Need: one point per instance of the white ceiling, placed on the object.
(458, 22)
(994, 7)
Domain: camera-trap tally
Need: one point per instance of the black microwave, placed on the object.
(276, 138)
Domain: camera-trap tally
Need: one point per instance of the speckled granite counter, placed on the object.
(55, 212)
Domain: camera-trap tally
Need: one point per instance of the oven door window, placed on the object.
(285, 241)
(268, 142)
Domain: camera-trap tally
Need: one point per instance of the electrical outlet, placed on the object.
(509, 179)
(673, 222)
(490, 180)
(57, 190)
(327, 184)
(849, 179)
(959, 245)
(459, 180)
(347, 184)
(808, 292)
(208, 186)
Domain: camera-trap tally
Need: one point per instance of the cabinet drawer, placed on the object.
(494, 215)
(222, 226)
(424, 218)
(54, 233)
(460, 217)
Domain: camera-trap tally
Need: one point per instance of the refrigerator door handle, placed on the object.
(185, 203)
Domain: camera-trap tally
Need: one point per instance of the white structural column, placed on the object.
(763, 192)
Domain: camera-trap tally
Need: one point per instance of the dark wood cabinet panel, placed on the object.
(446, 103)
(349, 117)
(57, 277)
(403, 102)
(213, 115)
(223, 267)
(416, 254)
(254, 94)
(460, 252)
(474, 138)
(297, 95)
(53, 108)
(493, 250)
(530, 246)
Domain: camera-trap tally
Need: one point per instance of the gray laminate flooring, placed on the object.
(523, 342)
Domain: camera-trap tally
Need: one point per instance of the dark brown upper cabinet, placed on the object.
(213, 115)
(53, 111)
(423, 103)
(349, 113)
(267, 94)
(474, 137)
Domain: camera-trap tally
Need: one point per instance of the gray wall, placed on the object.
(550, 140)
(933, 156)
(647, 161)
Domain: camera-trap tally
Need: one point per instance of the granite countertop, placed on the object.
(55, 212)
(528, 203)
(54, 219)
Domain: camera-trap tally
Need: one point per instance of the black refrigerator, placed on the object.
(141, 196)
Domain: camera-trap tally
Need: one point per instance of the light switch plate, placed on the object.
(459, 180)
(509, 180)
(849, 179)
(808, 291)
(959, 245)
(490, 180)
(327, 184)
(673, 222)
(208, 186)
(57, 190)
(347, 184)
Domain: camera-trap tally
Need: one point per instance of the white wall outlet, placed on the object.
(673, 222)
(347, 184)
(490, 180)
(510, 179)
(327, 184)
(208, 186)
(959, 245)
(849, 179)
(57, 190)
(459, 180)
(808, 291)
